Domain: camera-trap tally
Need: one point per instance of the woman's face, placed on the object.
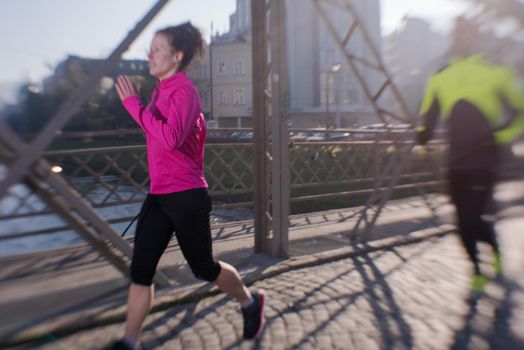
(163, 61)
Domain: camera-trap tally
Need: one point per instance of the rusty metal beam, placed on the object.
(270, 99)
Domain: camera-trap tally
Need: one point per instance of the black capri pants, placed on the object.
(186, 214)
(471, 191)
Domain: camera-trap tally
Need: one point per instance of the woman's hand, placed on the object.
(125, 87)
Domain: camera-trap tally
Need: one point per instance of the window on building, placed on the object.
(222, 97)
(205, 97)
(350, 96)
(222, 68)
(238, 68)
(330, 56)
(238, 97)
(203, 71)
(228, 122)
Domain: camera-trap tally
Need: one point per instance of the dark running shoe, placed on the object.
(121, 345)
(254, 316)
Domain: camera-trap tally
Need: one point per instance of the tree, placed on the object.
(505, 48)
(102, 110)
(495, 10)
(31, 112)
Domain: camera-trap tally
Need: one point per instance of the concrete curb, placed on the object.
(96, 318)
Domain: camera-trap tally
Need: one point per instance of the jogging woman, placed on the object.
(178, 201)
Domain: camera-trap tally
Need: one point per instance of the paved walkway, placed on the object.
(75, 288)
(401, 297)
(411, 296)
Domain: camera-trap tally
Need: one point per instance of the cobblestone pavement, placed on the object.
(408, 297)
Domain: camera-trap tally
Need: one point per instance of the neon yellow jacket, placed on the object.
(472, 85)
(484, 85)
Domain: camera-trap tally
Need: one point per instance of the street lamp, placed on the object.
(335, 67)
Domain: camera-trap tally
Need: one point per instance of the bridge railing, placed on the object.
(114, 181)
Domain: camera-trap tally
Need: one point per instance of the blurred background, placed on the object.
(48, 48)
(349, 176)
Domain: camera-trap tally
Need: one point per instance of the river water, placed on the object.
(69, 237)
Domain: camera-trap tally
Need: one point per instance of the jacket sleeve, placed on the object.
(429, 112)
(172, 131)
(512, 98)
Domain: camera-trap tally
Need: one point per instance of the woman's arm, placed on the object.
(172, 131)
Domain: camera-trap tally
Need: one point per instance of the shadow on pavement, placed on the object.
(389, 338)
(488, 322)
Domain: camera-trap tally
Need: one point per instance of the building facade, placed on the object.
(232, 82)
(322, 89)
(319, 94)
(228, 93)
(412, 54)
(199, 72)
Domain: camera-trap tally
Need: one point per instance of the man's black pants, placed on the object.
(471, 192)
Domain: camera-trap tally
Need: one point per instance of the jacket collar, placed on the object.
(175, 79)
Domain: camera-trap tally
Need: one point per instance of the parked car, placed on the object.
(374, 127)
(401, 131)
(338, 136)
(317, 136)
(241, 136)
(246, 136)
(235, 135)
(399, 127)
(300, 136)
(217, 136)
(368, 132)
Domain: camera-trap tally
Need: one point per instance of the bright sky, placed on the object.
(35, 34)
(440, 13)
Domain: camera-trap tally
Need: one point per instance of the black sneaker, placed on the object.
(121, 345)
(254, 316)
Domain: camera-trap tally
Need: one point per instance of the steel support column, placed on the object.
(270, 100)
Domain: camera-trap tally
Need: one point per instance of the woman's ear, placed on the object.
(179, 56)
